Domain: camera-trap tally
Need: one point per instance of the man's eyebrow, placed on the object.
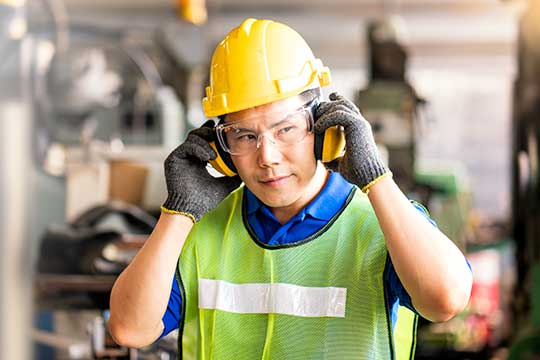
(238, 128)
(276, 124)
(284, 118)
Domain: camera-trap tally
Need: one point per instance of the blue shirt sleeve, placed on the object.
(171, 318)
(397, 295)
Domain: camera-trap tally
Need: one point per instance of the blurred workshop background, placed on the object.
(95, 94)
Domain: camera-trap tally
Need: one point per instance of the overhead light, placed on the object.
(17, 27)
(13, 3)
(193, 11)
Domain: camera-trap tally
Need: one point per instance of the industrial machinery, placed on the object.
(394, 109)
(389, 102)
(103, 101)
(77, 266)
(526, 187)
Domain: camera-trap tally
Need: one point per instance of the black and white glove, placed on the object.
(192, 191)
(362, 164)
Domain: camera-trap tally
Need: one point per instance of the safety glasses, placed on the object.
(241, 138)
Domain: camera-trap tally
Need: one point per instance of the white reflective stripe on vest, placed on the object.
(272, 298)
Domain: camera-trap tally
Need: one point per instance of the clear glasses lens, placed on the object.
(239, 138)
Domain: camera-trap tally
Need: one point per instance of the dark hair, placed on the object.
(310, 94)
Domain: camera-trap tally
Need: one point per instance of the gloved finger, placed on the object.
(197, 147)
(194, 147)
(322, 108)
(337, 107)
(332, 105)
(206, 133)
(343, 100)
(210, 123)
(339, 117)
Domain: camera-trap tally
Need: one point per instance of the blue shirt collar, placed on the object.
(325, 205)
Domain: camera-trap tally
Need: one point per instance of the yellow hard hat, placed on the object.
(260, 62)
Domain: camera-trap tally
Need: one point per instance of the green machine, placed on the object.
(389, 102)
(392, 107)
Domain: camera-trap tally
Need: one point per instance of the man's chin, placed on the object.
(275, 202)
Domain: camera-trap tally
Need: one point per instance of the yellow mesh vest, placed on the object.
(349, 253)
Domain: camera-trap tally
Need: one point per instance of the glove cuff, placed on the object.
(366, 188)
(177, 204)
(370, 173)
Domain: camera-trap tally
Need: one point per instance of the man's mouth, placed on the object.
(275, 181)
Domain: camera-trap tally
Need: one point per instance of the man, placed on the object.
(299, 262)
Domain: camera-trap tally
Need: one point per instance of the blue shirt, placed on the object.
(330, 201)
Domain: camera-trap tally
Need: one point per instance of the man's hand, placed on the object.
(192, 190)
(361, 164)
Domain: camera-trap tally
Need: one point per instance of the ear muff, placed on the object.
(330, 145)
(223, 162)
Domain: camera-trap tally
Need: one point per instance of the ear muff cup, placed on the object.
(330, 145)
(223, 162)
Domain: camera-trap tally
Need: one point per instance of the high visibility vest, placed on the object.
(319, 298)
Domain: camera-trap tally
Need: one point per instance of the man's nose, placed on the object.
(268, 138)
(268, 152)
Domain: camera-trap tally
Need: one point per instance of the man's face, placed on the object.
(281, 176)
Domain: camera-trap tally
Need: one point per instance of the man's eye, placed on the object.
(245, 137)
(242, 135)
(286, 129)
